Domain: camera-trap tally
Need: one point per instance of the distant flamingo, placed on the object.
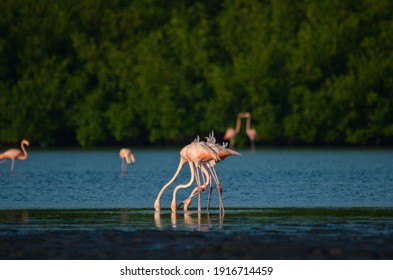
(13, 154)
(251, 133)
(127, 157)
(222, 153)
(196, 154)
(231, 133)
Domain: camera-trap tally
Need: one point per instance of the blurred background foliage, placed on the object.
(157, 73)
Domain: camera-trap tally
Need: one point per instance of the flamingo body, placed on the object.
(231, 132)
(222, 152)
(127, 157)
(13, 154)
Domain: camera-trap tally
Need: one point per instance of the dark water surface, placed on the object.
(281, 221)
(296, 203)
(241, 233)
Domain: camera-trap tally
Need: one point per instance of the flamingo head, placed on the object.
(25, 142)
(157, 205)
(174, 206)
(130, 158)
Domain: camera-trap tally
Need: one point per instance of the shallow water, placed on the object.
(267, 221)
(271, 191)
(264, 179)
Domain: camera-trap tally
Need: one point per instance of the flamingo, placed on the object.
(222, 152)
(199, 153)
(231, 133)
(13, 154)
(127, 157)
(195, 154)
(251, 133)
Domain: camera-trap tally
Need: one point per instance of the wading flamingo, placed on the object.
(195, 154)
(222, 152)
(199, 153)
(13, 154)
(231, 133)
(127, 157)
(251, 133)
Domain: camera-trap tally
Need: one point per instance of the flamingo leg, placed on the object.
(12, 165)
(232, 142)
(218, 185)
(210, 194)
(213, 172)
(188, 201)
(252, 145)
(198, 178)
(123, 171)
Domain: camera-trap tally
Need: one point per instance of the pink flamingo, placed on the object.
(222, 153)
(231, 133)
(196, 154)
(13, 154)
(251, 133)
(127, 157)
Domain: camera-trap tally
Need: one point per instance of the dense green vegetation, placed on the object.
(153, 72)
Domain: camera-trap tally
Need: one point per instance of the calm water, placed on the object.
(265, 179)
(271, 190)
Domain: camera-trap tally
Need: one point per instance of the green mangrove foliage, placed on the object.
(153, 72)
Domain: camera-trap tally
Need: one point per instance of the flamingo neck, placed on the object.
(238, 124)
(248, 123)
(192, 169)
(157, 205)
(24, 156)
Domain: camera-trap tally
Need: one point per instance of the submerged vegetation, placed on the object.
(148, 72)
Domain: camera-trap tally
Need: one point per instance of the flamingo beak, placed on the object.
(179, 205)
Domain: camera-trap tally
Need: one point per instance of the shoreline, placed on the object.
(190, 245)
